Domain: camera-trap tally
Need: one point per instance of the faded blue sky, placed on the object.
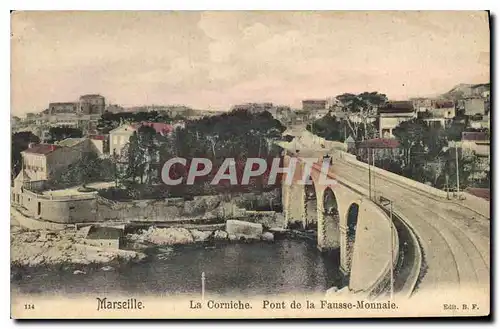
(216, 59)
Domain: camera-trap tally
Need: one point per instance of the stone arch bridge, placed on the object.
(344, 219)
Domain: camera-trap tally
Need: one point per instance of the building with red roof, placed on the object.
(160, 127)
(378, 149)
(379, 143)
(41, 149)
(41, 162)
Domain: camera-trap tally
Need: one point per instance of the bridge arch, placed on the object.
(352, 224)
(329, 227)
(311, 205)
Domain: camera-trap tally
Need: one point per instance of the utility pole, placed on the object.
(392, 256)
(369, 176)
(384, 202)
(373, 162)
(202, 286)
(458, 177)
(447, 188)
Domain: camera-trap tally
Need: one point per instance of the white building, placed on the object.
(441, 113)
(392, 115)
(474, 106)
(120, 136)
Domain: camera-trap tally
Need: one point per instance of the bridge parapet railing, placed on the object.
(386, 279)
(398, 178)
(472, 202)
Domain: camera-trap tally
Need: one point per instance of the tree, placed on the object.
(238, 134)
(467, 164)
(20, 142)
(89, 168)
(141, 155)
(411, 135)
(328, 127)
(110, 121)
(60, 133)
(132, 156)
(148, 146)
(362, 106)
(454, 131)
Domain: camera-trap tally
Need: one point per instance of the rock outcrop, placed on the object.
(200, 235)
(32, 248)
(220, 235)
(245, 229)
(164, 236)
(267, 236)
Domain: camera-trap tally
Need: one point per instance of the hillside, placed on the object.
(466, 90)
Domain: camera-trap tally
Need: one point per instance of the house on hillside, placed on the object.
(378, 149)
(476, 144)
(440, 114)
(42, 162)
(473, 106)
(120, 136)
(312, 105)
(100, 143)
(392, 114)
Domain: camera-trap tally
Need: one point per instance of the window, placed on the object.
(39, 210)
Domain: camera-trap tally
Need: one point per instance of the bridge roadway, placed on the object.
(455, 240)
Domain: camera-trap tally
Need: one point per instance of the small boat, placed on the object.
(79, 272)
(107, 268)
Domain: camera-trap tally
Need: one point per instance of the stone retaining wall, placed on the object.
(93, 208)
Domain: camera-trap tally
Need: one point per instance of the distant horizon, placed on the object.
(214, 60)
(255, 101)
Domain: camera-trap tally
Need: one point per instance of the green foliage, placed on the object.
(467, 165)
(364, 106)
(60, 133)
(427, 157)
(141, 155)
(90, 168)
(329, 127)
(20, 142)
(335, 129)
(110, 121)
(454, 131)
(238, 134)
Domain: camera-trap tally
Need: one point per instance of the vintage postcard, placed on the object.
(250, 164)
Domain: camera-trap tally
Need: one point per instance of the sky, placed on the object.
(212, 60)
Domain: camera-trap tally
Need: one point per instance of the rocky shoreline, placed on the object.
(31, 248)
(235, 230)
(35, 248)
